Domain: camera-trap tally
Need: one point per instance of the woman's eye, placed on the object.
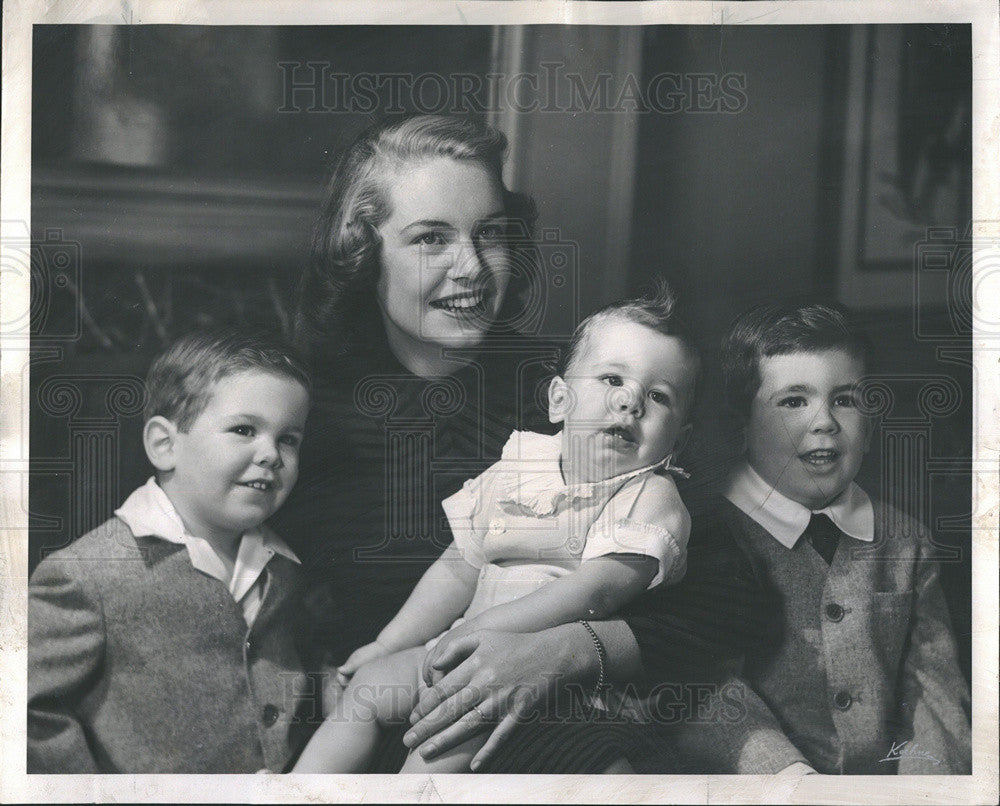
(432, 238)
(795, 402)
(659, 397)
(242, 430)
(613, 380)
(845, 401)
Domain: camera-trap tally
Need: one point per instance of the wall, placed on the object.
(726, 203)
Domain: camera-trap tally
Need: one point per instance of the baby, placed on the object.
(162, 641)
(563, 528)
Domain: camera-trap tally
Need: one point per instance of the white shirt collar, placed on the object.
(538, 484)
(786, 520)
(148, 512)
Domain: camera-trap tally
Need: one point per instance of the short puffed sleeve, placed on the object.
(646, 516)
(468, 515)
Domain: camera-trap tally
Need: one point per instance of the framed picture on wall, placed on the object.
(907, 161)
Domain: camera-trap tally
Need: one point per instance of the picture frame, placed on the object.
(898, 193)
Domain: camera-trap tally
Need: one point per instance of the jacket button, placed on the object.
(842, 700)
(269, 716)
(834, 612)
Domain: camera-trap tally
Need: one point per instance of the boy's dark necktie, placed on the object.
(823, 535)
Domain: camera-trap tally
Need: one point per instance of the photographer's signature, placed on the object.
(907, 749)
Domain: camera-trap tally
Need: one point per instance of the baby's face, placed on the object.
(624, 401)
(806, 435)
(240, 459)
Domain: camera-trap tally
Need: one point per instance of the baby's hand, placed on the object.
(358, 658)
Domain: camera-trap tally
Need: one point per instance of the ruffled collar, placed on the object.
(534, 484)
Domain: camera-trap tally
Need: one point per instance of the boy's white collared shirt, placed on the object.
(148, 512)
(852, 511)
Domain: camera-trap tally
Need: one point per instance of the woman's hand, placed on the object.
(490, 680)
(430, 672)
(359, 657)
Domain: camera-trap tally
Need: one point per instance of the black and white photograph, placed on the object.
(500, 402)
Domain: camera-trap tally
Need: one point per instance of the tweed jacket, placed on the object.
(864, 678)
(138, 663)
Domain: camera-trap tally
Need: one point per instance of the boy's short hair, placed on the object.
(180, 380)
(657, 311)
(779, 329)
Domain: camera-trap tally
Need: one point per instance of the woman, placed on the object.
(409, 311)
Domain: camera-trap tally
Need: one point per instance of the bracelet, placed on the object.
(601, 659)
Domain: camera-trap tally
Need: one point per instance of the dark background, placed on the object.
(174, 183)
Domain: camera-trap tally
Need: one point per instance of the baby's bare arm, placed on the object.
(441, 596)
(596, 590)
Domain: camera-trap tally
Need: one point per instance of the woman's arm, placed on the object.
(686, 631)
(721, 609)
(509, 676)
(595, 590)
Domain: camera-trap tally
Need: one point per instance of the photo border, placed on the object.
(980, 787)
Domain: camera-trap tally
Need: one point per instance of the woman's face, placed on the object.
(444, 261)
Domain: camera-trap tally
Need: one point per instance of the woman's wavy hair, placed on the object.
(337, 290)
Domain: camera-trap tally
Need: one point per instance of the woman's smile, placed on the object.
(444, 271)
(467, 305)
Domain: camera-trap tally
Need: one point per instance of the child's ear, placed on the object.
(682, 439)
(558, 400)
(159, 437)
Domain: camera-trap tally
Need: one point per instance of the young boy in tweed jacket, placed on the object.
(162, 641)
(865, 678)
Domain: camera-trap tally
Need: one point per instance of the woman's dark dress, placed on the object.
(383, 448)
